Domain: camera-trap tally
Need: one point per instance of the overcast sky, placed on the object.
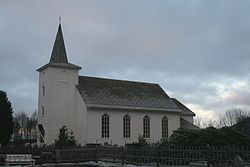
(197, 50)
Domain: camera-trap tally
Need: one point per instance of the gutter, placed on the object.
(95, 106)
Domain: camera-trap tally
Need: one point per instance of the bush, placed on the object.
(210, 135)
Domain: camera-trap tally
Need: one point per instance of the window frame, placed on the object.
(146, 126)
(105, 125)
(126, 126)
(164, 125)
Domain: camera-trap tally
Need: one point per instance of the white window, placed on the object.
(42, 112)
(164, 122)
(146, 127)
(105, 126)
(126, 126)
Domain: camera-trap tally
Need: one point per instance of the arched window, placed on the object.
(164, 123)
(105, 126)
(146, 127)
(126, 126)
(42, 111)
(43, 90)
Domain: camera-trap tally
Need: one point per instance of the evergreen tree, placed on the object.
(6, 119)
(65, 138)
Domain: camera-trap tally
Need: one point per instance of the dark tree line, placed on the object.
(212, 136)
(233, 128)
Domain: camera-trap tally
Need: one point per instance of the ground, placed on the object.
(90, 164)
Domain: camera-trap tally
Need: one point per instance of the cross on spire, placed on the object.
(60, 19)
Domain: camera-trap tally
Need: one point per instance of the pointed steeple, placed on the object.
(59, 54)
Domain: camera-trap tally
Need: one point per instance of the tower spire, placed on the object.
(59, 54)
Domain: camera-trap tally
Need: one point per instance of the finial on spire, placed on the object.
(60, 19)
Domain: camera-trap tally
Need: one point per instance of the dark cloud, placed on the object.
(198, 51)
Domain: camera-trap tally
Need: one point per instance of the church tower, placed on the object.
(57, 93)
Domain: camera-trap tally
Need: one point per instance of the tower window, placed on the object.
(43, 90)
(105, 126)
(126, 126)
(146, 127)
(164, 122)
(42, 113)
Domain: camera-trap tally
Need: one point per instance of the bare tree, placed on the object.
(202, 124)
(25, 125)
(212, 124)
(16, 128)
(32, 125)
(230, 117)
(199, 122)
(23, 120)
(233, 116)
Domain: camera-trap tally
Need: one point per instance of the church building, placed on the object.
(102, 110)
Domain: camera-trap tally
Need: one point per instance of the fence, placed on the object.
(37, 151)
(159, 156)
(168, 155)
(76, 155)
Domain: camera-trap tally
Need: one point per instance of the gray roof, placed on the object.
(124, 94)
(59, 56)
(188, 125)
(184, 109)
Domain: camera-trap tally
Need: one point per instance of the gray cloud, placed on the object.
(198, 51)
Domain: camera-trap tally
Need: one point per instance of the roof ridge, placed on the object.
(121, 80)
(182, 106)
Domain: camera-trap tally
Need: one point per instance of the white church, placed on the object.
(102, 110)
